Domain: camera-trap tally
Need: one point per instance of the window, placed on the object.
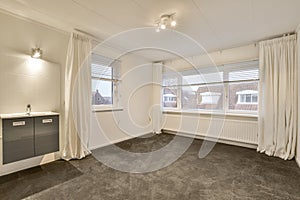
(209, 98)
(228, 88)
(102, 85)
(105, 81)
(170, 90)
(202, 97)
(170, 97)
(243, 90)
(247, 97)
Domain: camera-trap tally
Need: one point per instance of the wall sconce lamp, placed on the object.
(36, 53)
(164, 21)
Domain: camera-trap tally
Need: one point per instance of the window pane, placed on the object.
(240, 75)
(169, 97)
(254, 99)
(189, 97)
(100, 71)
(101, 92)
(200, 78)
(243, 96)
(240, 80)
(170, 79)
(248, 98)
(202, 97)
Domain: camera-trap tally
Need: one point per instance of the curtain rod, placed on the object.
(96, 39)
(256, 42)
(277, 36)
(114, 59)
(93, 37)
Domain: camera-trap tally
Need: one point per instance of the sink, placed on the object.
(22, 115)
(38, 113)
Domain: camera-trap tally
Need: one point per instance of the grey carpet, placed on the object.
(28, 182)
(228, 172)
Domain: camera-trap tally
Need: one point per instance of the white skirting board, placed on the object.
(110, 143)
(115, 142)
(219, 140)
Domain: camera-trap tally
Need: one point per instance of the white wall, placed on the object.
(24, 80)
(135, 100)
(200, 124)
(19, 36)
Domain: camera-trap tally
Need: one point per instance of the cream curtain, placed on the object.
(278, 97)
(77, 98)
(156, 112)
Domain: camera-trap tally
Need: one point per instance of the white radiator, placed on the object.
(240, 131)
(232, 131)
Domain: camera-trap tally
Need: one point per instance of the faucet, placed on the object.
(28, 109)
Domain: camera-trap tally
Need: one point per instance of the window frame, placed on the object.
(226, 110)
(246, 112)
(243, 97)
(214, 84)
(114, 79)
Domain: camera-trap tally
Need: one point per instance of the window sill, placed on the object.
(107, 109)
(197, 112)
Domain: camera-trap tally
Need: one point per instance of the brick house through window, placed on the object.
(229, 88)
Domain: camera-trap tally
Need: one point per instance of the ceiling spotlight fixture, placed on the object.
(36, 53)
(173, 22)
(163, 26)
(164, 21)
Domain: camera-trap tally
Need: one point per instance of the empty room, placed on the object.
(149, 99)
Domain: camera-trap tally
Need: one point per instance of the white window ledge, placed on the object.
(200, 112)
(107, 109)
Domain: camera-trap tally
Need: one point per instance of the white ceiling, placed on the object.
(215, 24)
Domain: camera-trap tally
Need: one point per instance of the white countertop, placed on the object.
(24, 115)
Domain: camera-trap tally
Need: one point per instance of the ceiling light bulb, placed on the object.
(163, 26)
(173, 23)
(36, 53)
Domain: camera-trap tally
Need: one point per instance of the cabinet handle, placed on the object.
(21, 123)
(47, 121)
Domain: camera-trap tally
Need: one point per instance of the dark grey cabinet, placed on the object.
(28, 137)
(18, 139)
(46, 135)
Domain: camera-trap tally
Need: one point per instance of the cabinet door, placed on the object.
(18, 139)
(46, 135)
